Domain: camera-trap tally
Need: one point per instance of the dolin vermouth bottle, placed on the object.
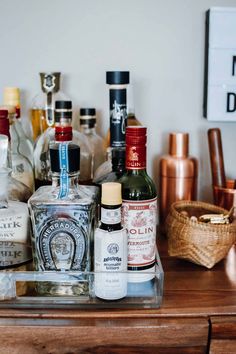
(63, 218)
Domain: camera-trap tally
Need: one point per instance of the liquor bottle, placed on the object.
(117, 81)
(43, 104)
(131, 117)
(15, 190)
(110, 247)
(21, 167)
(11, 99)
(139, 207)
(63, 218)
(178, 175)
(96, 143)
(63, 117)
(118, 168)
(14, 216)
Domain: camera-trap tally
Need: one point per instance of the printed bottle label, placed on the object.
(110, 264)
(14, 223)
(110, 216)
(64, 167)
(118, 117)
(140, 219)
(135, 157)
(62, 245)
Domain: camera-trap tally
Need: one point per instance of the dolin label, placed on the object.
(139, 218)
(62, 245)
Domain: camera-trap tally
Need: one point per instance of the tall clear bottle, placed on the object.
(15, 190)
(11, 100)
(63, 217)
(42, 113)
(139, 207)
(96, 143)
(14, 215)
(63, 118)
(21, 168)
(117, 81)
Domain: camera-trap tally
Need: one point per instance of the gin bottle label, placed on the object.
(118, 117)
(139, 218)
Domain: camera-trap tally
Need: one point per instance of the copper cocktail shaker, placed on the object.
(178, 175)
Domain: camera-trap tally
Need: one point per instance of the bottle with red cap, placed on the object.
(63, 118)
(63, 218)
(139, 207)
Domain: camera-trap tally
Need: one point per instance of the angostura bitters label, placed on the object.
(139, 218)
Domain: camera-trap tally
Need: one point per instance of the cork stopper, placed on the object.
(11, 96)
(111, 193)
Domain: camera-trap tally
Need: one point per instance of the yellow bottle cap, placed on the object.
(11, 96)
(111, 193)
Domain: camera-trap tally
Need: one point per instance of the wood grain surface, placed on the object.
(198, 315)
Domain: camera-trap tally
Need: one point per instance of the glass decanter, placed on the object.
(63, 218)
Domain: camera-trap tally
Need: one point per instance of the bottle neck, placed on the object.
(86, 129)
(120, 168)
(73, 179)
(135, 157)
(111, 217)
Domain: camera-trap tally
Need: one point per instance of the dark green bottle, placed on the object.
(139, 207)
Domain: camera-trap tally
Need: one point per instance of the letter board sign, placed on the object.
(220, 65)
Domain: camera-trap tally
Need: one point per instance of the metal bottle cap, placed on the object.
(50, 82)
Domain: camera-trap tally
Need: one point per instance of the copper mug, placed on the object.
(225, 197)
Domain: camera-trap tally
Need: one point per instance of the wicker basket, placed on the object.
(198, 242)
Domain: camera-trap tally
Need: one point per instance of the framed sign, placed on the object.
(220, 65)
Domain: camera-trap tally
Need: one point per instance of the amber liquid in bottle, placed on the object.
(39, 123)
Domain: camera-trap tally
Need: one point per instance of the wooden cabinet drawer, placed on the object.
(223, 335)
(104, 335)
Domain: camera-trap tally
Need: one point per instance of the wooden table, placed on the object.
(198, 315)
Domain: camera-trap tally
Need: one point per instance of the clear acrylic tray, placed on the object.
(77, 289)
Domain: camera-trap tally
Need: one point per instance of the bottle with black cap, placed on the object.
(117, 81)
(63, 218)
(88, 129)
(63, 118)
(118, 167)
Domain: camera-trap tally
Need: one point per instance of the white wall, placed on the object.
(161, 42)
